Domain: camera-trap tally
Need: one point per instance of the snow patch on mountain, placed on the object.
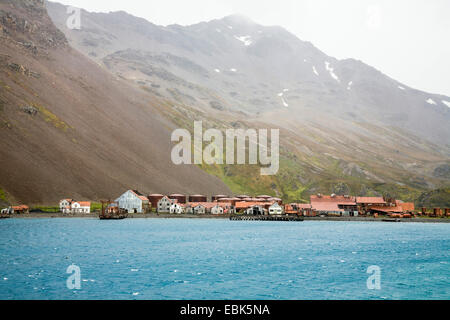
(349, 86)
(315, 70)
(246, 40)
(233, 70)
(447, 103)
(331, 71)
(284, 102)
(217, 70)
(431, 101)
(401, 88)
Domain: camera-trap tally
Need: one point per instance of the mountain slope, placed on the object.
(70, 129)
(249, 66)
(345, 126)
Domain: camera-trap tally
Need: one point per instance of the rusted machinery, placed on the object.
(111, 211)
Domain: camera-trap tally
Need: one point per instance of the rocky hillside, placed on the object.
(71, 129)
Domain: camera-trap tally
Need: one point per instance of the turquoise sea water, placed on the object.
(221, 259)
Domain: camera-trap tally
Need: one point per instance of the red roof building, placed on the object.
(371, 200)
(333, 203)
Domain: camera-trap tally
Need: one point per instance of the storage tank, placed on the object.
(437, 212)
(277, 200)
(154, 199)
(198, 198)
(231, 201)
(218, 197)
(181, 198)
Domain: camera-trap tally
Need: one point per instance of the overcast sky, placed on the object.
(406, 39)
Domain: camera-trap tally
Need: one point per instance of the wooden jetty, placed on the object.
(391, 220)
(111, 211)
(266, 218)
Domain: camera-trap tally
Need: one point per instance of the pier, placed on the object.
(266, 218)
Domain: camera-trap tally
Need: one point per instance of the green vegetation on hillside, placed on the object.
(45, 209)
(3, 198)
(439, 198)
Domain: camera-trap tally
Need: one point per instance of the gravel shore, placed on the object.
(187, 216)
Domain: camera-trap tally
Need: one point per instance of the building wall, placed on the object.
(199, 210)
(176, 209)
(63, 204)
(275, 210)
(217, 210)
(76, 208)
(130, 202)
(164, 205)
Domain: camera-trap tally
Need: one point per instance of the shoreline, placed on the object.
(221, 217)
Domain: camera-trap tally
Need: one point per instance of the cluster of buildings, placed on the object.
(22, 209)
(135, 202)
(70, 206)
(132, 201)
(333, 205)
(351, 206)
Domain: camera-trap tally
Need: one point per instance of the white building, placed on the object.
(200, 209)
(256, 210)
(81, 207)
(133, 202)
(188, 209)
(70, 206)
(176, 208)
(275, 209)
(164, 205)
(217, 209)
(65, 205)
